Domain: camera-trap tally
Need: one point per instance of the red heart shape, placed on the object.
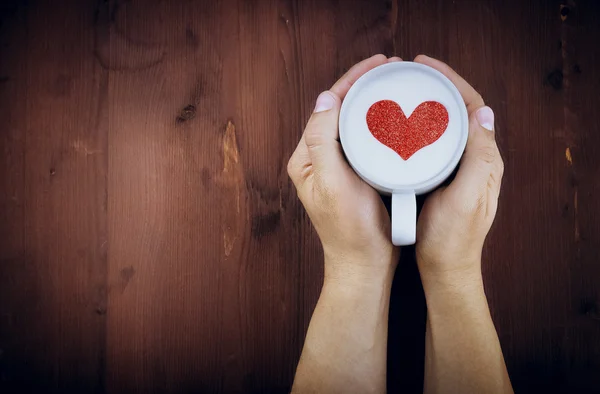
(405, 136)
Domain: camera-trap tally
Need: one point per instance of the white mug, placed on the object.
(403, 128)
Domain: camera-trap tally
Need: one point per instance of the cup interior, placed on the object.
(408, 84)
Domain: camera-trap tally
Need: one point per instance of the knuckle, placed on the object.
(470, 206)
(312, 135)
(487, 153)
(478, 206)
(291, 168)
(473, 208)
(494, 181)
(419, 57)
(500, 167)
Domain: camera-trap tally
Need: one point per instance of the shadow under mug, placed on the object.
(408, 84)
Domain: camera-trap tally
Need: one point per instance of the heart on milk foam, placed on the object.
(389, 125)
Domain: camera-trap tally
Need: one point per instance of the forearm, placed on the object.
(462, 353)
(346, 343)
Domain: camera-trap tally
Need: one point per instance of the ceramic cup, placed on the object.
(403, 128)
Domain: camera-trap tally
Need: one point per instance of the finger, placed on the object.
(341, 87)
(300, 163)
(394, 59)
(318, 149)
(481, 162)
(321, 133)
(473, 100)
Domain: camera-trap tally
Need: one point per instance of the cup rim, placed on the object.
(431, 183)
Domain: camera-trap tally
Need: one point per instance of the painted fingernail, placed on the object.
(485, 117)
(325, 102)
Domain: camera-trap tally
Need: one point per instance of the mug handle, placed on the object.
(404, 218)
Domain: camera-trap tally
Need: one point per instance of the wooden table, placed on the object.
(150, 240)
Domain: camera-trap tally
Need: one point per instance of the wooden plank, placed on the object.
(267, 289)
(579, 342)
(525, 293)
(165, 203)
(54, 265)
(17, 275)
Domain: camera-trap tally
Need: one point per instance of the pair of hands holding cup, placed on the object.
(350, 217)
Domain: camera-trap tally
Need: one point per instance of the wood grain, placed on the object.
(150, 240)
(54, 240)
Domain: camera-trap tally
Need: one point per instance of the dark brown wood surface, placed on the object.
(150, 240)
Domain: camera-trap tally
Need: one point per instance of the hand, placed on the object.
(348, 215)
(455, 220)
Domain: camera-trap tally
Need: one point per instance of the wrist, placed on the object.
(449, 268)
(454, 292)
(357, 288)
(455, 280)
(360, 271)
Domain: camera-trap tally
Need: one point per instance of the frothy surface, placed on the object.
(408, 84)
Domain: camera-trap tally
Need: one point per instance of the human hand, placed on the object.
(348, 215)
(455, 220)
(349, 322)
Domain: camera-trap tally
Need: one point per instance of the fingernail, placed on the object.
(485, 117)
(325, 102)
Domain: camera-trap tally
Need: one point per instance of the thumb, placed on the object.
(481, 160)
(321, 133)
